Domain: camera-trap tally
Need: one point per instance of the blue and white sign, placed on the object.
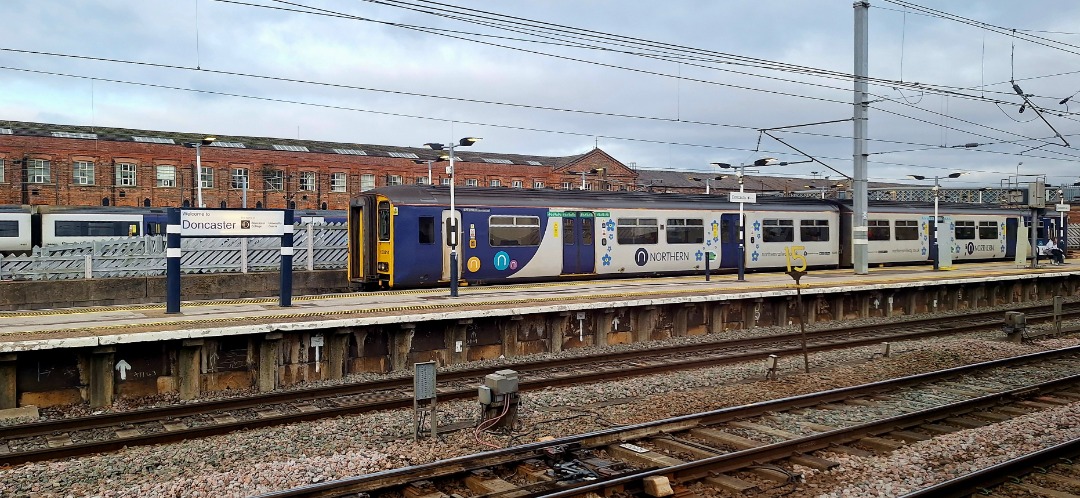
(231, 223)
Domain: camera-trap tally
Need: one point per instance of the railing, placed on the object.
(317, 247)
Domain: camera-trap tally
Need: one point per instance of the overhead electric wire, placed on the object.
(1038, 40)
(561, 27)
(384, 113)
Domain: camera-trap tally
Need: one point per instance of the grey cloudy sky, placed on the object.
(662, 85)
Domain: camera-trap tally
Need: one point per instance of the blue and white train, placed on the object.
(399, 236)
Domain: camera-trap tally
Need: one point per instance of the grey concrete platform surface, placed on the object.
(111, 325)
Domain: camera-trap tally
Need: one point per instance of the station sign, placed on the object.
(750, 197)
(231, 223)
(1062, 208)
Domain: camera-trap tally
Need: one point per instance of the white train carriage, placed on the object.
(16, 224)
(903, 233)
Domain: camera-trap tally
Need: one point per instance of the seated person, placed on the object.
(1056, 255)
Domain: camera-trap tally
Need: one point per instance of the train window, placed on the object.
(568, 231)
(877, 230)
(427, 229)
(587, 231)
(637, 231)
(988, 230)
(778, 231)
(965, 230)
(725, 231)
(517, 230)
(685, 231)
(384, 221)
(907, 230)
(95, 228)
(814, 230)
(9, 228)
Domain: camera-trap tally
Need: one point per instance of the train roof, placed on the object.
(14, 208)
(928, 207)
(585, 199)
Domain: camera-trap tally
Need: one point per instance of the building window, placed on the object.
(307, 181)
(38, 171)
(445, 182)
(239, 178)
(166, 176)
(566, 185)
(337, 182)
(367, 182)
(207, 178)
(393, 180)
(275, 180)
(422, 180)
(471, 182)
(1, 171)
(516, 184)
(495, 183)
(538, 184)
(82, 173)
(586, 186)
(126, 175)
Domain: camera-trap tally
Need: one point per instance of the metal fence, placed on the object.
(317, 247)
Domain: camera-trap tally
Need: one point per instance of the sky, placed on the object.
(672, 85)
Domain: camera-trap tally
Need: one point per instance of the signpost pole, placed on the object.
(172, 258)
(286, 260)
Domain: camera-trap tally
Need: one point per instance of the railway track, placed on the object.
(109, 432)
(1048, 472)
(744, 450)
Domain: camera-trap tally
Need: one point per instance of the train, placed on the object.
(402, 236)
(24, 227)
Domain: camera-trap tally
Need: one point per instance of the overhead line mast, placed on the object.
(859, 185)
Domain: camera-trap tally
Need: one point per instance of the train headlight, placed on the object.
(385, 267)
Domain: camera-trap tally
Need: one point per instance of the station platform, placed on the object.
(115, 325)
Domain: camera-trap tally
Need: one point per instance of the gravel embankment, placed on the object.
(259, 461)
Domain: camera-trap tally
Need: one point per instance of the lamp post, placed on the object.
(740, 170)
(937, 221)
(1061, 219)
(591, 171)
(428, 162)
(452, 227)
(707, 180)
(198, 166)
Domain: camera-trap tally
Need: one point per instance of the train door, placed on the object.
(451, 237)
(579, 251)
(1011, 224)
(729, 241)
(932, 237)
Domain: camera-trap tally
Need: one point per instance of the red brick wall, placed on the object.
(62, 152)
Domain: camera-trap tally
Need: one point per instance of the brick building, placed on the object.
(46, 164)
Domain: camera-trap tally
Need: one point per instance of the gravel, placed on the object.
(264, 460)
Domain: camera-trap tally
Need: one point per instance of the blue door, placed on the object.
(729, 241)
(579, 229)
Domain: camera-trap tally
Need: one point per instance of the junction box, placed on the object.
(498, 397)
